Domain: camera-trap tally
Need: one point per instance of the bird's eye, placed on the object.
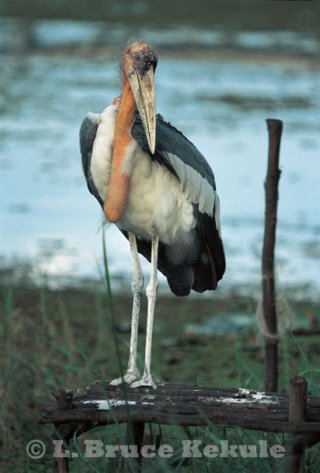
(137, 57)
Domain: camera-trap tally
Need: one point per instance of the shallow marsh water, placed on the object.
(50, 219)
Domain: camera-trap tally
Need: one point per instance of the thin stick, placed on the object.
(268, 278)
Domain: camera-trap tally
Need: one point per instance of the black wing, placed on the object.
(88, 131)
(183, 159)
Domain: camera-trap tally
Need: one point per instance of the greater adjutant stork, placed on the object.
(159, 190)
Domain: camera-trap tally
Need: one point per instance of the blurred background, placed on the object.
(224, 67)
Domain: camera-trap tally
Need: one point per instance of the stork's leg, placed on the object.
(133, 373)
(151, 292)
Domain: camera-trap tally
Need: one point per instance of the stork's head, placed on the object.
(140, 62)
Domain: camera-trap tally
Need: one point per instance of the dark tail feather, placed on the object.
(211, 265)
(180, 280)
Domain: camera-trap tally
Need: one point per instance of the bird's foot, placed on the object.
(129, 377)
(144, 382)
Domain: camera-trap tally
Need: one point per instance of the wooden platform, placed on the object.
(180, 404)
(186, 405)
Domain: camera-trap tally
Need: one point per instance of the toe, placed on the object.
(144, 383)
(129, 377)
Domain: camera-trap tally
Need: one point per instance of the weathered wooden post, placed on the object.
(297, 414)
(135, 434)
(64, 401)
(268, 276)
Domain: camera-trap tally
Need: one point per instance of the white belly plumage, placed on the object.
(156, 202)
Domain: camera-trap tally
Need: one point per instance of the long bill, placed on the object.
(142, 86)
